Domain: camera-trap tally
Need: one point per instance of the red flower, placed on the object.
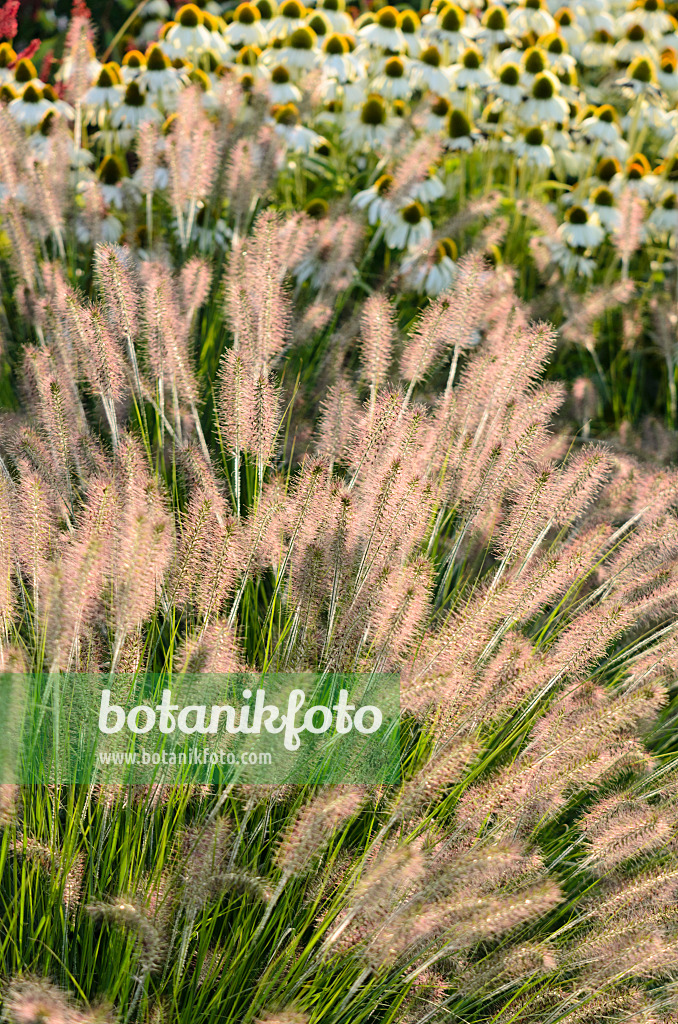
(8, 22)
(27, 53)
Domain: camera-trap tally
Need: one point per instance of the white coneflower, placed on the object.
(469, 71)
(154, 14)
(533, 62)
(296, 136)
(572, 261)
(104, 95)
(209, 99)
(640, 79)
(667, 175)
(558, 55)
(368, 126)
(437, 115)
(394, 82)
(384, 31)
(638, 178)
(431, 271)
(429, 189)
(410, 27)
(40, 141)
(30, 108)
(427, 71)
(335, 12)
(216, 28)
(597, 51)
(374, 200)
(336, 62)
(246, 28)
(508, 86)
(443, 271)
(301, 52)
(407, 227)
(602, 203)
(187, 37)
(7, 59)
(290, 16)
(493, 32)
(634, 44)
(59, 104)
(250, 61)
(652, 15)
(602, 125)
(667, 70)
(162, 81)
(268, 10)
(208, 233)
(460, 134)
(112, 173)
(133, 64)
(570, 30)
(353, 94)
(664, 216)
(133, 112)
(321, 25)
(571, 161)
(580, 230)
(544, 104)
(280, 89)
(533, 149)
(25, 74)
(531, 16)
(448, 27)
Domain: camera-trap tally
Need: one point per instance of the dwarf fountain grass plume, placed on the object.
(313, 828)
(340, 412)
(215, 650)
(194, 281)
(57, 416)
(99, 358)
(235, 411)
(13, 157)
(628, 233)
(205, 568)
(23, 261)
(377, 330)
(431, 781)
(283, 1017)
(147, 150)
(132, 918)
(583, 311)
(169, 331)
(246, 180)
(329, 263)
(118, 280)
(203, 535)
(7, 555)
(78, 52)
(400, 613)
(257, 304)
(27, 1000)
(81, 571)
(207, 854)
(191, 155)
(48, 191)
(35, 530)
(448, 323)
(144, 544)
